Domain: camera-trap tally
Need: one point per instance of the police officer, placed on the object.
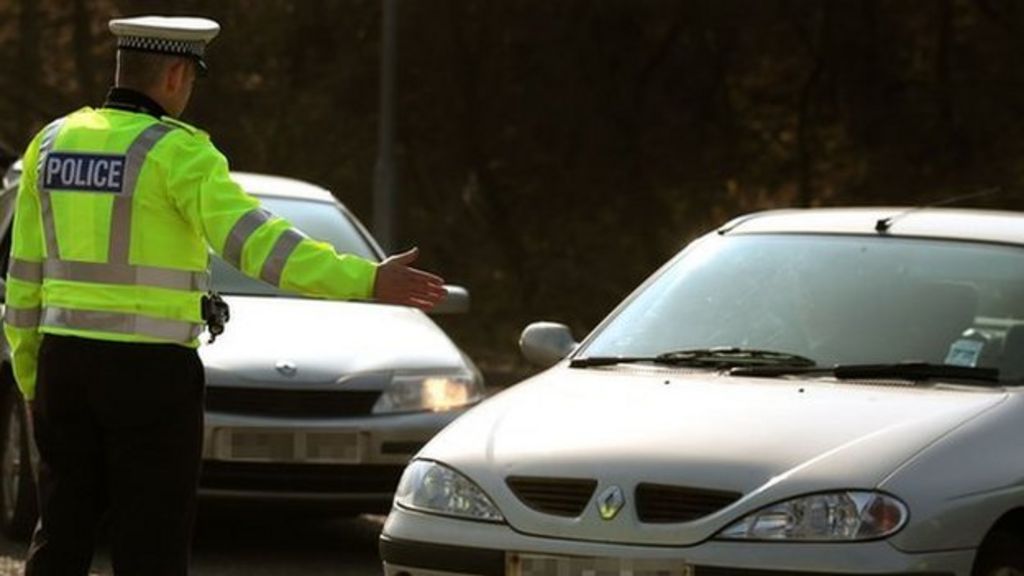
(105, 298)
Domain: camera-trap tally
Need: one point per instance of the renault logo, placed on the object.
(610, 502)
(286, 367)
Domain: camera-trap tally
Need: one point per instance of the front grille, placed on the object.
(315, 478)
(659, 503)
(401, 448)
(557, 496)
(295, 403)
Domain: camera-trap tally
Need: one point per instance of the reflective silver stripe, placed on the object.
(283, 248)
(121, 217)
(26, 271)
(240, 233)
(21, 317)
(121, 323)
(127, 274)
(49, 230)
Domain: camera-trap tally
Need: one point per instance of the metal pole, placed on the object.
(385, 187)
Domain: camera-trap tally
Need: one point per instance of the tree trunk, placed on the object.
(29, 62)
(84, 62)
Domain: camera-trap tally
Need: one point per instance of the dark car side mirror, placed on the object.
(455, 302)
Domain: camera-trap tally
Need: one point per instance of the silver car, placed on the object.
(799, 392)
(307, 401)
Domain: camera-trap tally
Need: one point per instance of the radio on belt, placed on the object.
(216, 314)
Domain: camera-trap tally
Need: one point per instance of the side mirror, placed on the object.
(456, 302)
(11, 176)
(544, 344)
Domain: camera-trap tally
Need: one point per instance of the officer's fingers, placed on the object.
(422, 303)
(403, 297)
(403, 286)
(427, 296)
(423, 289)
(425, 299)
(413, 283)
(427, 277)
(436, 291)
(426, 284)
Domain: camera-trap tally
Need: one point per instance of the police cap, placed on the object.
(179, 36)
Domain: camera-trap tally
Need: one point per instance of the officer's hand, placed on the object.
(397, 283)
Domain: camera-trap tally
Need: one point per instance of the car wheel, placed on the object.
(17, 485)
(1002, 554)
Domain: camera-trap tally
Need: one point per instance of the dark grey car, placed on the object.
(307, 400)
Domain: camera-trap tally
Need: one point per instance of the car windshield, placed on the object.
(320, 220)
(838, 300)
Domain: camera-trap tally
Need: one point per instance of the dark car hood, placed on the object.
(323, 341)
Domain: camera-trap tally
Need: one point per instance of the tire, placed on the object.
(1002, 554)
(18, 513)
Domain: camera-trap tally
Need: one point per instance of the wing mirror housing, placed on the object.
(11, 176)
(455, 302)
(544, 344)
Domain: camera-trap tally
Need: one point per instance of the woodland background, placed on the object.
(553, 153)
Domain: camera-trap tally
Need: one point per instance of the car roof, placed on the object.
(948, 223)
(264, 185)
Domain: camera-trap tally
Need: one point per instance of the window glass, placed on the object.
(319, 220)
(835, 299)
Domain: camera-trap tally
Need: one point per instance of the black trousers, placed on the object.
(119, 429)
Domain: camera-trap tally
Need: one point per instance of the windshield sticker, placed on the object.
(965, 352)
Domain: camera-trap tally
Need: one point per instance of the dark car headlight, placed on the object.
(430, 392)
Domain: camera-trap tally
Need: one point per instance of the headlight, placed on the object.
(429, 393)
(837, 516)
(431, 487)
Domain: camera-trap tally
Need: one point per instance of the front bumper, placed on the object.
(415, 544)
(299, 463)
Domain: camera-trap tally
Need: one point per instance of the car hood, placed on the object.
(323, 341)
(767, 439)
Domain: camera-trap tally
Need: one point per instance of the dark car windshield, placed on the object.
(320, 220)
(839, 300)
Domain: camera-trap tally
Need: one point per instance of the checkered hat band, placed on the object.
(162, 45)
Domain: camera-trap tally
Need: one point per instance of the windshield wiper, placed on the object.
(716, 357)
(915, 371)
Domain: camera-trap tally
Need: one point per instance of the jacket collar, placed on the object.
(133, 101)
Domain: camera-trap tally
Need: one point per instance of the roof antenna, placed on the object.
(883, 225)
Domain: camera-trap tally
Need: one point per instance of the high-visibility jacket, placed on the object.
(114, 213)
